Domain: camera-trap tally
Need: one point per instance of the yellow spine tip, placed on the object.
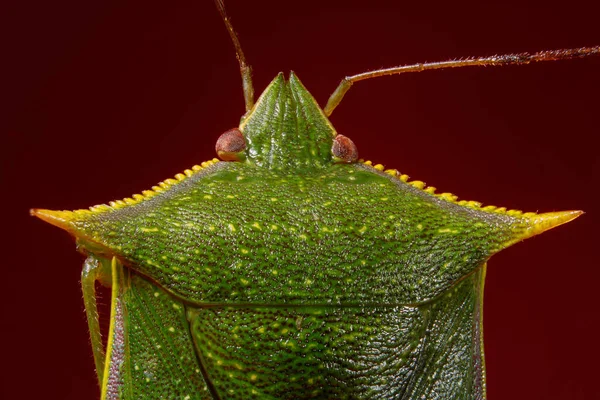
(533, 224)
(61, 219)
(542, 222)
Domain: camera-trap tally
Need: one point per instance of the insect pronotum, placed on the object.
(214, 389)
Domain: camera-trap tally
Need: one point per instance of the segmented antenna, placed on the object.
(245, 69)
(506, 59)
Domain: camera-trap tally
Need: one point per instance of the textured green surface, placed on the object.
(291, 276)
(345, 352)
(238, 233)
(287, 130)
(152, 351)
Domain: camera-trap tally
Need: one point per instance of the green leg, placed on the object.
(95, 269)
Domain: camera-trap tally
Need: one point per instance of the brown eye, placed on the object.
(230, 145)
(344, 149)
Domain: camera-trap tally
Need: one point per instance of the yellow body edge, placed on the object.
(538, 223)
(116, 287)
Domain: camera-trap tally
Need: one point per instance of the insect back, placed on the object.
(293, 273)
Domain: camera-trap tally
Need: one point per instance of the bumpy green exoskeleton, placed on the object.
(292, 272)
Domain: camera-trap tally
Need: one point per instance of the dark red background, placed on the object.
(105, 99)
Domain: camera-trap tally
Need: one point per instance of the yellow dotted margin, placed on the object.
(446, 196)
(148, 194)
(168, 183)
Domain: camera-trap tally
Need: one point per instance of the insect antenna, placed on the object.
(506, 59)
(245, 69)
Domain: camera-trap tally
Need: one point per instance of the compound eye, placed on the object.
(231, 145)
(344, 150)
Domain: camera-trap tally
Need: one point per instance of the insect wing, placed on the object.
(149, 347)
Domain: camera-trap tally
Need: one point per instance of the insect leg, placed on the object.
(95, 269)
(505, 59)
